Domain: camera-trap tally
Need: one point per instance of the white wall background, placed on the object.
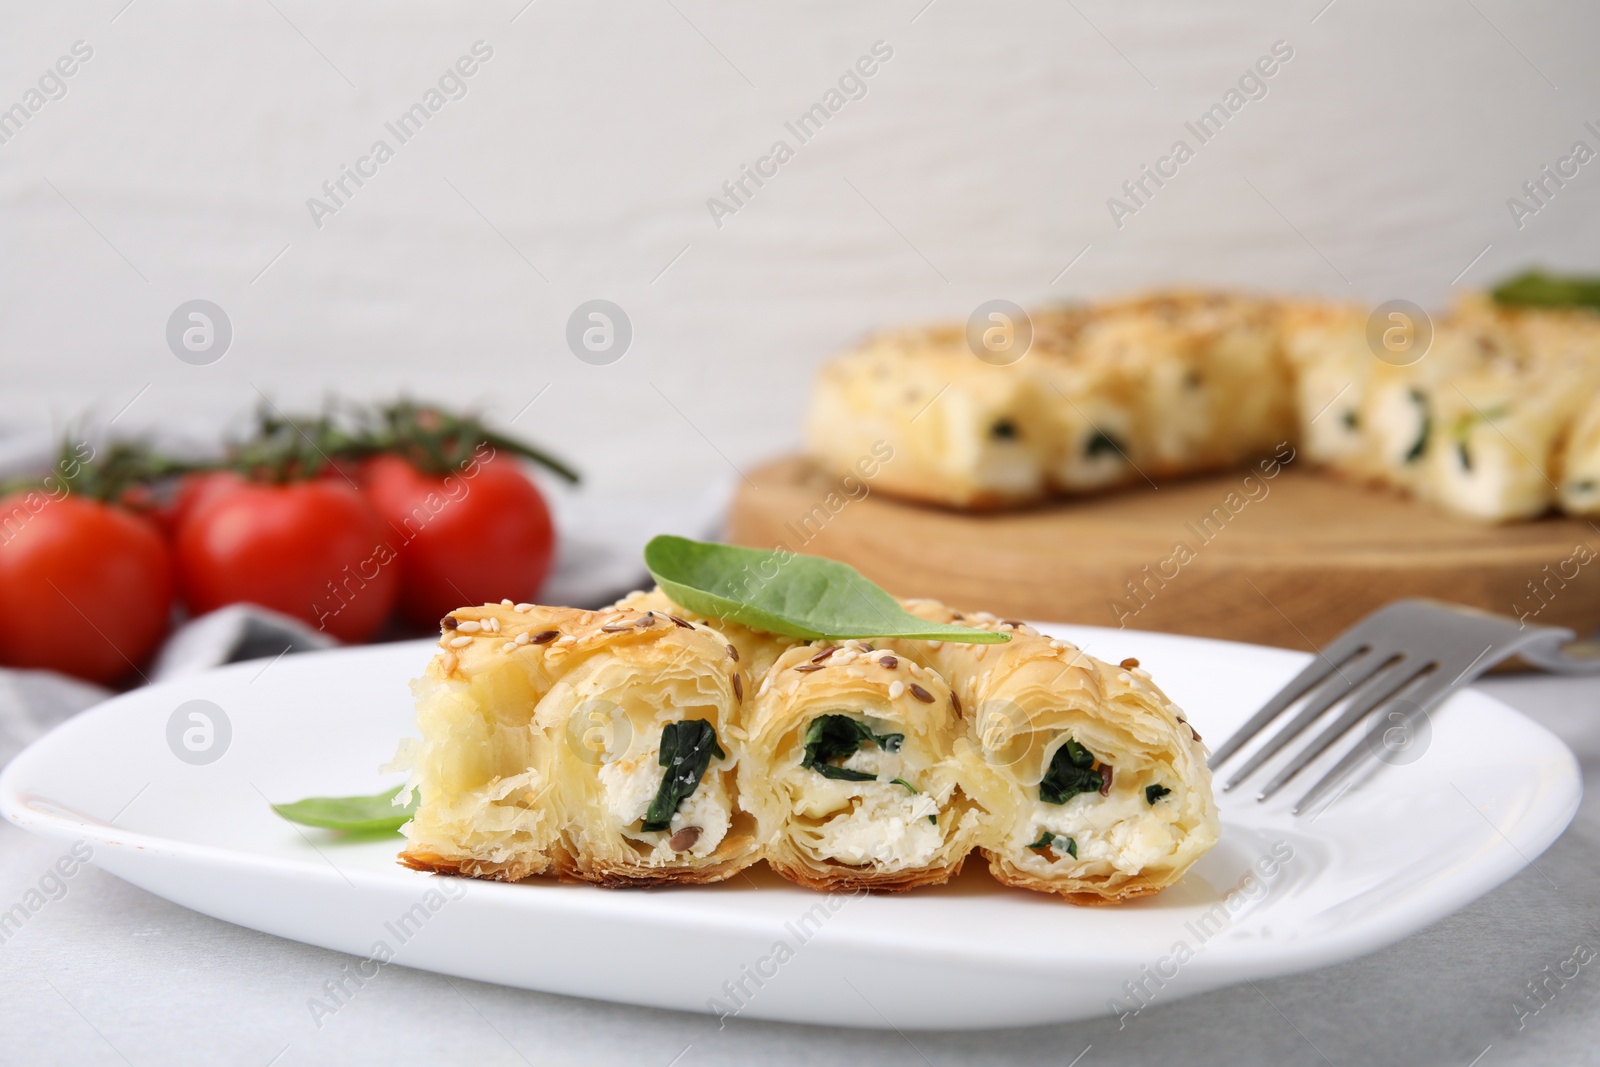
(179, 163)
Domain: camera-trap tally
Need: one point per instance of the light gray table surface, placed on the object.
(110, 974)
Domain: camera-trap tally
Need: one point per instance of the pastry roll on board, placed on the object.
(624, 748)
(857, 771)
(1106, 795)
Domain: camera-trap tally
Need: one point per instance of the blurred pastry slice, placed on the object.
(1579, 469)
(1325, 346)
(944, 426)
(1204, 374)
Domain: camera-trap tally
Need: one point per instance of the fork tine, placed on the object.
(1384, 686)
(1344, 648)
(1333, 689)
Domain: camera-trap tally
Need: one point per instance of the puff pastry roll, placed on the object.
(1106, 792)
(617, 734)
(481, 771)
(858, 771)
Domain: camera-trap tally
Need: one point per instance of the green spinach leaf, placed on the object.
(1549, 290)
(1047, 839)
(838, 737)
(360, 814)
(1102, 443)
(783, 593)
(686, 750)
(1153, 793)
(1071, 772)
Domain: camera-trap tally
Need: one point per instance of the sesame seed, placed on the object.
(921, 693)
(680, 622)
(1013, 623)
(569, 639)
(459, 642)
(955, 702)
(824, 654)
(614, 628)
(545, 636)
(505, 603)
(738, 687)
(733, 654)
(811, 666)
(1128, 664)
(522, 609)
(896, 688)
(469, 627)
(766, 685)
(492, 624)
(1124, 677)
(508, 646)
(935, 645)
(888, 661)
(448, 623)
(523, 638)
(447, 662)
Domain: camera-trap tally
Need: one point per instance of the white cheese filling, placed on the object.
(628, 785)
(880, 821)
(1123, 830)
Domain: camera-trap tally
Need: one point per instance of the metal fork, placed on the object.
(1411, 654)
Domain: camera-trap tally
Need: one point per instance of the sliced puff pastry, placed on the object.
(1490, 422)
(861, 773)
(1104, 793)
(549, 736)
(644, 745)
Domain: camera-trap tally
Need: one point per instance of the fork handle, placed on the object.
(1547, 651)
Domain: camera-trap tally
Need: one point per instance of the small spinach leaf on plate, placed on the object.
(361, 814)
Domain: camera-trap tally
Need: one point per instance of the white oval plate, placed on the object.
(1407, 845)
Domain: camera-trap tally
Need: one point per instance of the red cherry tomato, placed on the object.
(479, 534)
(85, 587)
(313, 550)
(193, 490)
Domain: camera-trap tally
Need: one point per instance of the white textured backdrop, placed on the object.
(579, 162)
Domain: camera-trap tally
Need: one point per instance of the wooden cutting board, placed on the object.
(1288, 561)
